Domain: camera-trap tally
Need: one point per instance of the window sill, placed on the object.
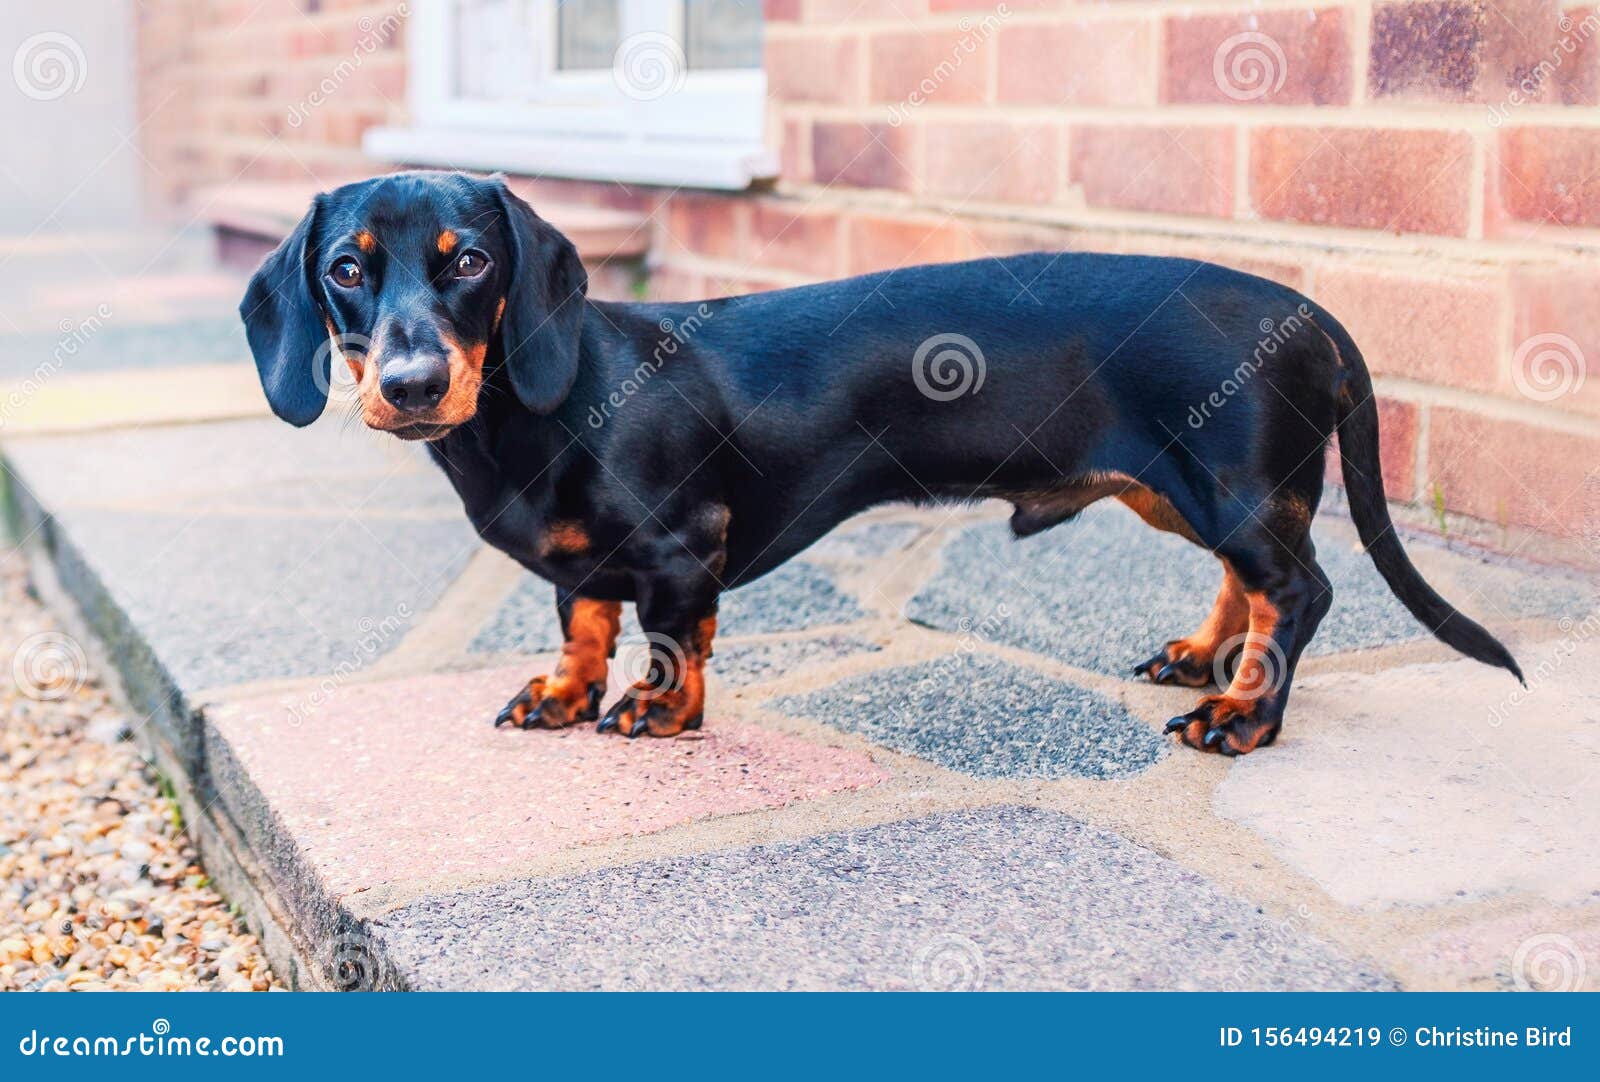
(723, 166)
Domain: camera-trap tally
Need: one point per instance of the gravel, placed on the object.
(99, 887)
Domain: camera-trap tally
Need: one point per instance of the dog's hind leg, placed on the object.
(1286, 595)
(1192, 661)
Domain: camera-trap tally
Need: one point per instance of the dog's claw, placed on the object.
(607, 723)
(1215, 737)
(1176, 725)
(1165, 671)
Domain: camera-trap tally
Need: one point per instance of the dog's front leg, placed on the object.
(679, 618)
(572, 694)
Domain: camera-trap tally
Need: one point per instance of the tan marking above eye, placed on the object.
(447, 241)
(366, 241)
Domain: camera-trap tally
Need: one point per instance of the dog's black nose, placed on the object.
(415, 384)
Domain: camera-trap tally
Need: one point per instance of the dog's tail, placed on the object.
(1363, 482)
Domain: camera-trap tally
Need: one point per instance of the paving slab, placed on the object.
(1427, 784)
(796, 596)
(1546, 950)
(996, 898)
(105, 344)
(754, 662)
(987, 718)
(1103, 592)
(170, 521)
(381, 783)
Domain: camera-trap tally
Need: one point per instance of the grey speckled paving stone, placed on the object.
(1105, 591)
(797, 595)
(225, 599)
(753, 662)
(987, 718)
(996, 898)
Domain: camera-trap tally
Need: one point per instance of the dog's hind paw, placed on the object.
(1176, 663)
(1226, 725)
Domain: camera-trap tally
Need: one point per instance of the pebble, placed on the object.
(99, 890)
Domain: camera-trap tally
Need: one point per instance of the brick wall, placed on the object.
(1429, 169)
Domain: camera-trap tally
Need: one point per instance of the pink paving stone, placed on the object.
(407, 780)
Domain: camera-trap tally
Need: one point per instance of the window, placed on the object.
(650, 91)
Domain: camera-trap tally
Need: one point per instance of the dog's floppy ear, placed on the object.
(544, 306)
(286, 327)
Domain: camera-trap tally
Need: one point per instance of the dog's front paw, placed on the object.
(644, 710)
(552, 702)
(1227, 725)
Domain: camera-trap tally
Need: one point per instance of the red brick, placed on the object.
(1137, 167)
(1099, 62)
(887, 243)
(1461, 50)
(785, 237)
(861, 155)
(1398, 180)
(989, 5)
(1556, 337)
(796, 153)
(1577, 79)
(669, 283)
(1435, 329)
(1508, 472)
(992, 163)
(1011, 238)
(780, 11)
(1268, 58)
(1397, 450)
(829, 12)
(706, 225)
(946, 66)
(824, 70)
(1551, 175)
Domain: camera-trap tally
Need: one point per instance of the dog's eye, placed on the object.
(471, 263)
(346, 273)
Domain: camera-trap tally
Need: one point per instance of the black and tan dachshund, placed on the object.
(664, 453)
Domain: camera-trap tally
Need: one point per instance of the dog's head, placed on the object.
(417, 281)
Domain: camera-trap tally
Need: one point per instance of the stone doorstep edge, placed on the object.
(175, 743)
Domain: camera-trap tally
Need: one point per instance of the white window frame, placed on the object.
(706, 133)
